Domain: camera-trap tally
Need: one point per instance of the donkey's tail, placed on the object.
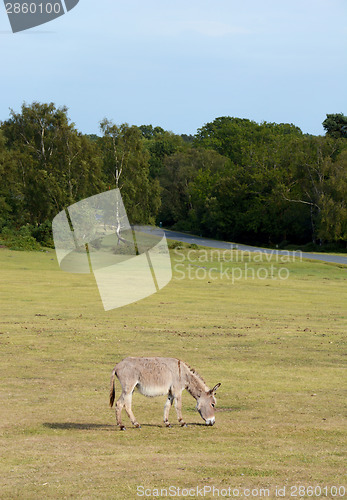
(112, 389)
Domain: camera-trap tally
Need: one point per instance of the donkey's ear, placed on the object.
(215, 388)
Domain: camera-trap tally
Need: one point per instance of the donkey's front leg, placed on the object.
(178, 405)
(167, 407)
(127, 405)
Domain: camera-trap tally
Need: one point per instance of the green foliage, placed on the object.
(43, 234)
(180, 182)
(281, 185)
(318, 180)
(335, 125)
(239, 138)
(18, 239)
(163, 145)
(51, 164)
(175, 244)
(236, 179)
(126, 166)
(148, 131)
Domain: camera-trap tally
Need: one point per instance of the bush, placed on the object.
(338, 247)
(24, 243)
(18, 239)
(175, 244)
(43, 234)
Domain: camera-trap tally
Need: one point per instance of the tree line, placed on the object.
(234, 179)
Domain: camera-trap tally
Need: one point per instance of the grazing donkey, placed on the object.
(157, 377)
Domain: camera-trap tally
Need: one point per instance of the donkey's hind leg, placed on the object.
(167, 407)
(119, 408)
(127, 405)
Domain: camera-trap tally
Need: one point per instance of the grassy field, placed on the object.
(276, 345)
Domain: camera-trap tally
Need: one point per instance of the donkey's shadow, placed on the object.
(83, 426)
(86, 426)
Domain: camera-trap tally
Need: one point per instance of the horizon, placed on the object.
(97, 133)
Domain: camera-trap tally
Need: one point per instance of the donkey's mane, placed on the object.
(194, 372)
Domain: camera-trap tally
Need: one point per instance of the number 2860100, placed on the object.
(33, 8)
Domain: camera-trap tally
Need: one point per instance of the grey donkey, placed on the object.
(157, 377)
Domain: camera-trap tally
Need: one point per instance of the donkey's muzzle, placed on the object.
(210, 421)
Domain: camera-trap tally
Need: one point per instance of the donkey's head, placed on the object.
(205, 405)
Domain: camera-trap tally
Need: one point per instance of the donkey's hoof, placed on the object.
(137, 425)
(183, 424)
(122, 428)
(168, 425)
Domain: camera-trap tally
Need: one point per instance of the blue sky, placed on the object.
(180, 64)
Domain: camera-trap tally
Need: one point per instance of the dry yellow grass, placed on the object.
(278, 347)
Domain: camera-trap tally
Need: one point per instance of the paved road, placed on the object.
(224, 245)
